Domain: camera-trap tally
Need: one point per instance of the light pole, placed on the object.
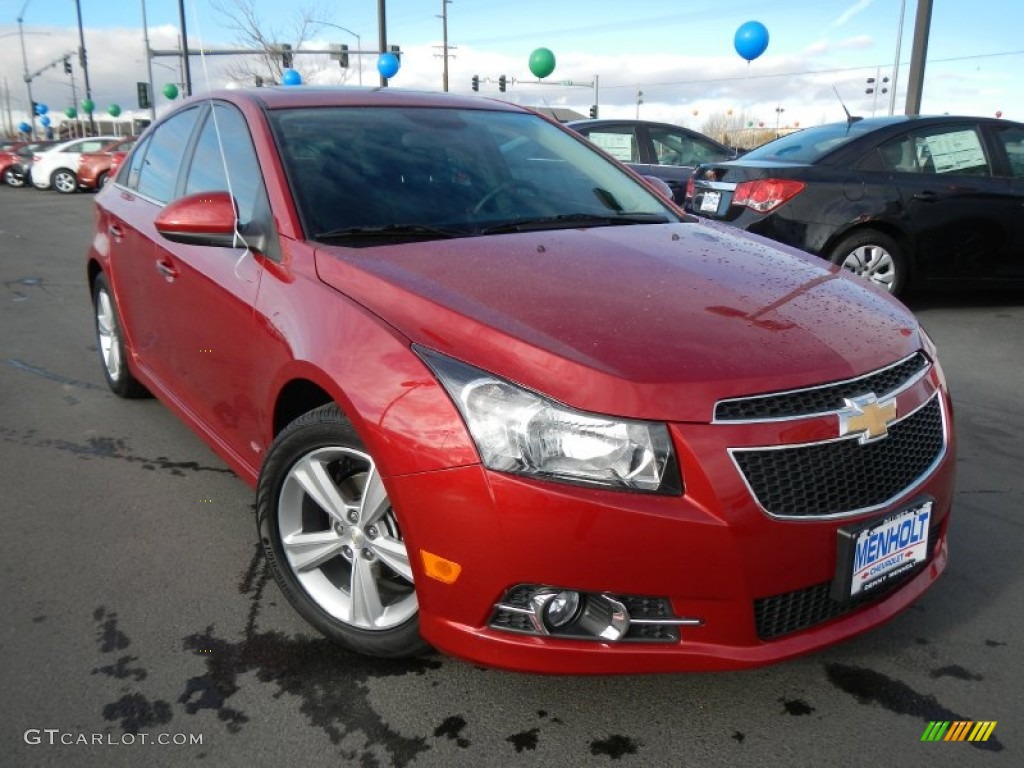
(359, 43)
(149, 62)
(28, 78)
(83, 59)
(778, 116)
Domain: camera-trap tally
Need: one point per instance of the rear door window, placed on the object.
(618, 141)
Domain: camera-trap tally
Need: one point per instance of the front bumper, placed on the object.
(713, 553)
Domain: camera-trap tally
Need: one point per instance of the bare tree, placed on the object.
(241, 17)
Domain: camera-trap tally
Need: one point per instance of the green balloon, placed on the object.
(88, 106)
(171, 91)
(542, 62)
(71, 112)
(113, 110)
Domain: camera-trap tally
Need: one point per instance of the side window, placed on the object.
(162, 159)
(958, 151)
(677, 148)
(129, 173)
(1012, 139)
(620, 143)
(225, 143)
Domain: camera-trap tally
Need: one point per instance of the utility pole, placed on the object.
(28, 79)
(444, 30)
(187, 71)
(918, 54)
(149, 63)
(382, 26)
(83, 59)
(9, 123)
(896, 64)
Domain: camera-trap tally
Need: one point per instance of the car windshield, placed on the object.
(366, 173)
(810, 144)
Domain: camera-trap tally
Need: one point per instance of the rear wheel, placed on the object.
(101, 180)
(333, 540)
(64, 181)
(874, 256)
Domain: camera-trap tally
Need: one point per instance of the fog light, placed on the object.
(562, 609)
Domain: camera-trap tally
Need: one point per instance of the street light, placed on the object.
(778, 116)
(359, 43)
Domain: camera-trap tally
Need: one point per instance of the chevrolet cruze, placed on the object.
(497, 396)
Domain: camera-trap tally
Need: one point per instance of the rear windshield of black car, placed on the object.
(808, 145)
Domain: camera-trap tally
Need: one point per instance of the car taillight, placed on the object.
(689, 188)
(764, 195)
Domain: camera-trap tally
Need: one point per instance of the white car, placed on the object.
(57, 167)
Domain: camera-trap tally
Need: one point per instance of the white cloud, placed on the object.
(849, 13)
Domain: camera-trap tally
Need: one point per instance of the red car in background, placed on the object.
(16, 158)
(498, 396)
(95, 168)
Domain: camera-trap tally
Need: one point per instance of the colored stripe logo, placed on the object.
(959, 730)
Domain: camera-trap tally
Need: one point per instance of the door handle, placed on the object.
(926, 197)
(115, 232)
(166, 270)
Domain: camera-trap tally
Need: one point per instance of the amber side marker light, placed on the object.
(438, 568)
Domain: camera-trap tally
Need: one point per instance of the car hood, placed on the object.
(647, 321)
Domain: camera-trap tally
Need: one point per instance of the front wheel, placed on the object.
(333, 540)
(64, 181)
(875, 256)
(110, 342)
(13, 178)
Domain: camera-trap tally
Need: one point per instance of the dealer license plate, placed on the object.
(710, 201)
(875, 554)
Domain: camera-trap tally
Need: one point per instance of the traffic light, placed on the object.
(82, 58)
(501, 83)
(142, 90)
(593, 110)
(259, 81)
(476, 82)
(397, 51)
(286, 55)
(343, 58)
(67, 65)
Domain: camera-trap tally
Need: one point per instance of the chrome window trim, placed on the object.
(863, 510)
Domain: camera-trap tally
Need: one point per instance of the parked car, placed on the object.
(94, 168)
(16, 161)
(664, 151)
(57, 166)
(497, 395)
(899, 200)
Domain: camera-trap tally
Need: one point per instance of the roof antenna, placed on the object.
(850, 119)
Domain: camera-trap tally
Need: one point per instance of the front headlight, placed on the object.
(517, 430)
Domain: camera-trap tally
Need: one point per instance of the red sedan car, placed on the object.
(94, 168)
(498, 396)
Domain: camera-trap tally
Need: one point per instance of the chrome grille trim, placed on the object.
(926, 366)
(917, 482)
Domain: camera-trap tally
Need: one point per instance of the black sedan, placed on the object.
(899, 200)
(666, 152)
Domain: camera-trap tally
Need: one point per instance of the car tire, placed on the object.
(332, 539)
(875, 256)
(64, 181)
(101, 181)
(11, 179)
(110, 343)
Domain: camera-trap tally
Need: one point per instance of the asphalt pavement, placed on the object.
(140, 626)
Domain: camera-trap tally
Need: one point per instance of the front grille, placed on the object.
(844, 476)
(823, 399)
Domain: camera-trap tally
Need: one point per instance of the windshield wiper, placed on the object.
(400, 231)
(572, 219)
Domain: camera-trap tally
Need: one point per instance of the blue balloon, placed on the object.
(388, 64)
(45, 121)
(751, 40)
(291, 77)
(24, 127)
(42, 109)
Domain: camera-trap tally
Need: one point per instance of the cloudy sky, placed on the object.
(680, 54)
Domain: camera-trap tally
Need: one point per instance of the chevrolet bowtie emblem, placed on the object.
(868, 417)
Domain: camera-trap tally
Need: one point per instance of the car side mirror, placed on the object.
(204, 218)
